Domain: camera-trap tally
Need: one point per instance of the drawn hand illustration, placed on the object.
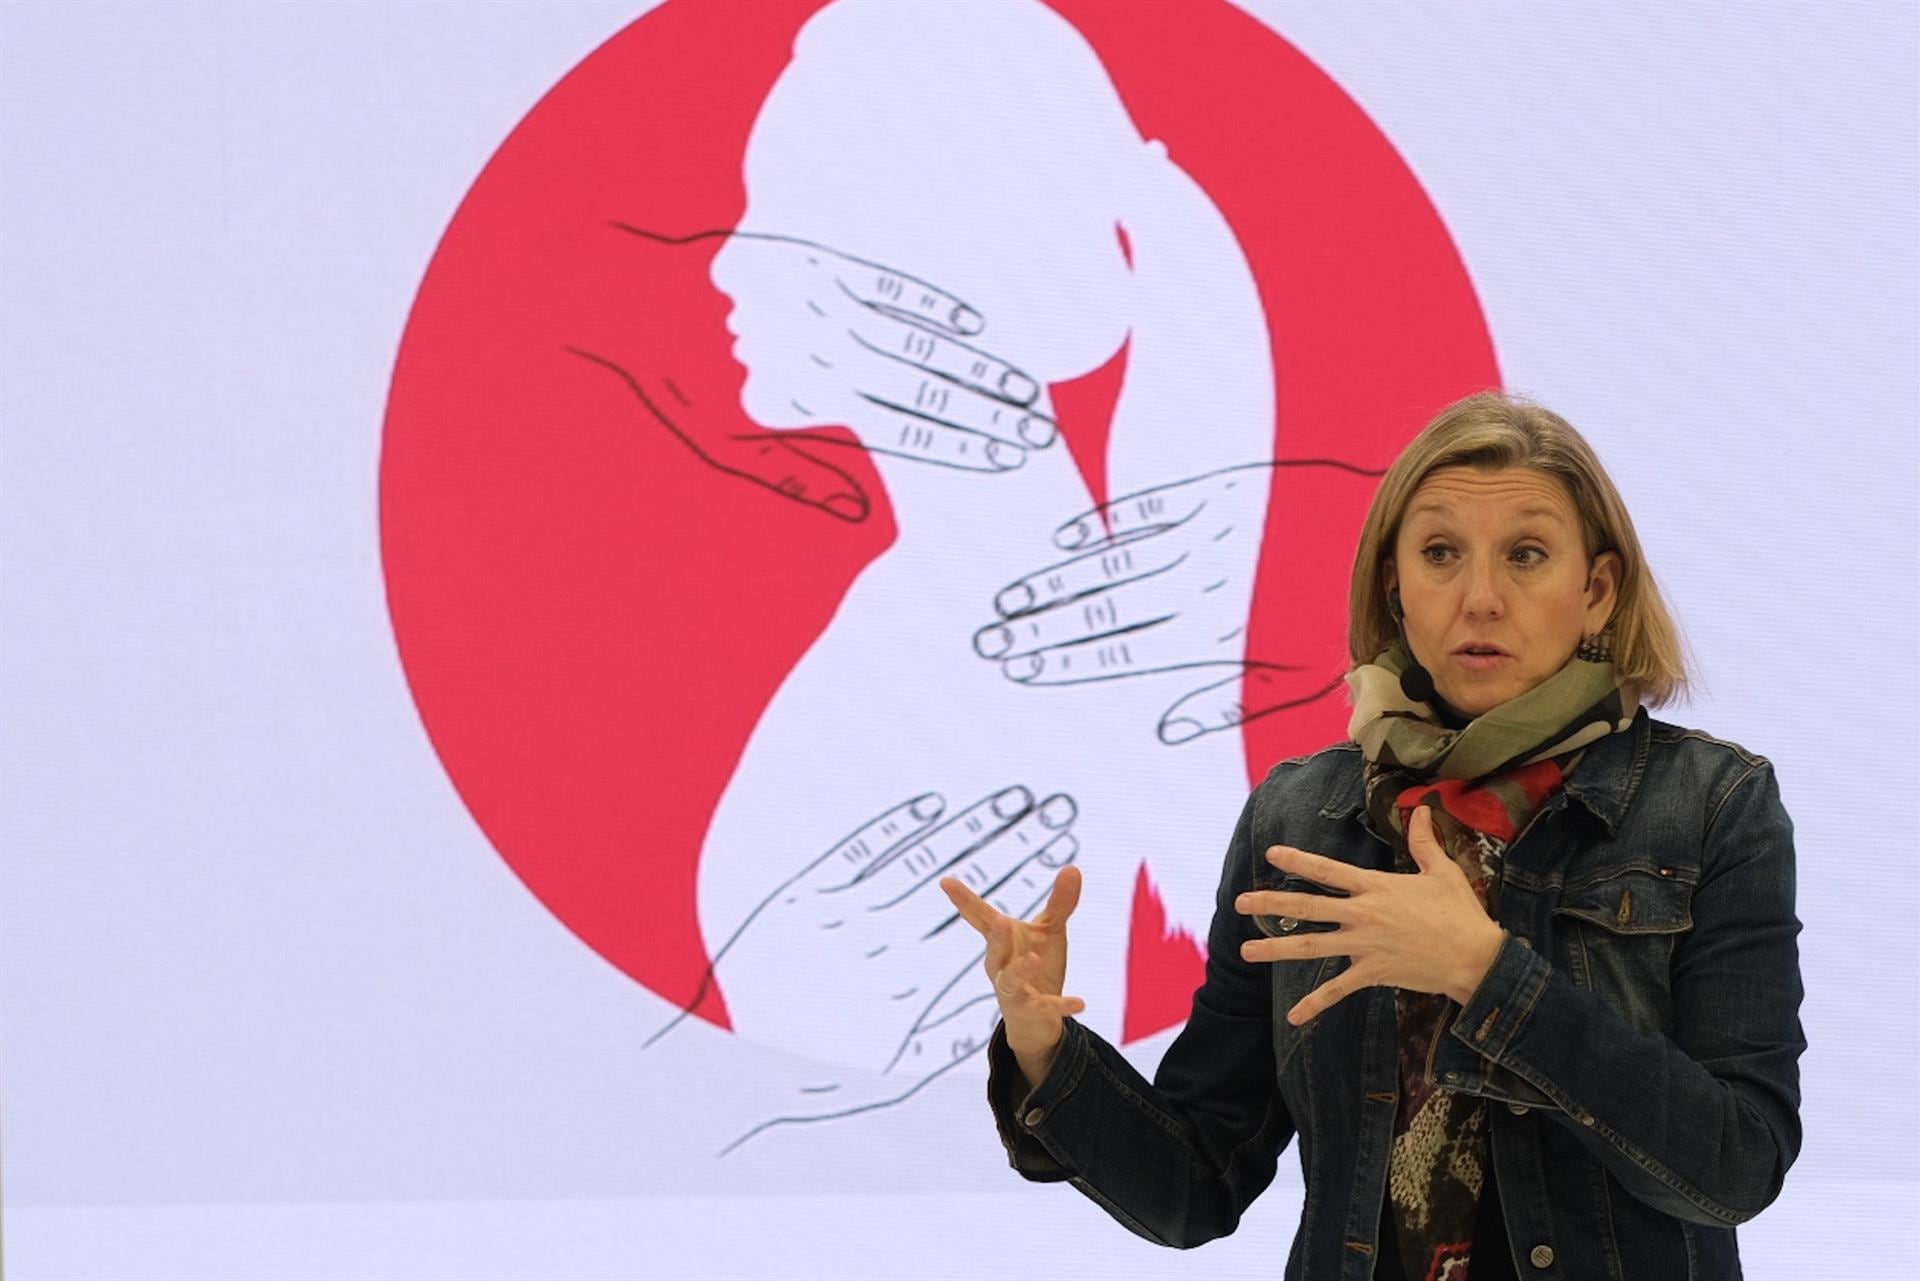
(861, 960)
(1159, 582)
(829, 339)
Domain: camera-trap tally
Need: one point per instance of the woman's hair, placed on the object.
(1490, 430)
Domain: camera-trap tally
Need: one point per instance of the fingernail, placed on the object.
(847, 506)
(1018, 387)
(1246, 950)
(1024, 668)
(1060, 851)
(1175, 732)
(967, 320)
(1244, 903)
(927, 805)
(1013, 802)
(991, 642)
(1004, 456)
(1273, 854)
(1071, 535)
(1036, 431)
(1012, 600)
(1058, 811)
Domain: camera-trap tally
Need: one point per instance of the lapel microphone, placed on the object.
(1416, 682)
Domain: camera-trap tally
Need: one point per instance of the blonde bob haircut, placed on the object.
(1492, 430)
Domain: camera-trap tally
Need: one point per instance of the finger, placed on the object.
(1423, 843)
(792, 473)
(1017, 857)
(945, 947)
(1002, 943)
(1159, 508)
(875, 285)
(1255, 691)
(968, 906)
(774, 464)
(1122, 609)
(911, 390)
(939, 849)
(1033, 997)
(1093, 572)
(1301, 907)
(1047, 1003)
(948, 357)
(1322, 870)
(1297, 947)
(897, 435)
(874, 843)
(1156, 648)
(1326, 996)
(1064, 897)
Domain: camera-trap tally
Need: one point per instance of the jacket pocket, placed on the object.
(1617, 939)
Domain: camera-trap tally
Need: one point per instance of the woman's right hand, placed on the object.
(1027, 961)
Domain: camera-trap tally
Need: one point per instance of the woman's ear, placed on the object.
(1603, 591)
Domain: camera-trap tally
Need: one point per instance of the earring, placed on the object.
(1596, 649)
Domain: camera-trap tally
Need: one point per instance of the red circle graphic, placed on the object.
(567, 590)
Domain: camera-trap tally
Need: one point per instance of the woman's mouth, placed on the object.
(1481, 658)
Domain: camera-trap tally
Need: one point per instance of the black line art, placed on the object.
(876, 892)
(1137, 598)
(905, 381)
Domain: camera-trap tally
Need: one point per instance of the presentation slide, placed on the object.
(532, 532)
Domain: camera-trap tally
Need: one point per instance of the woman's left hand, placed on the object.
(1424, 931)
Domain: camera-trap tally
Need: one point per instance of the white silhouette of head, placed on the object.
(980, 147)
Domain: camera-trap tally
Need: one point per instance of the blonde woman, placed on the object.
(1517, 963)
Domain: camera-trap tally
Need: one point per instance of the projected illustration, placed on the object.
(791, 495)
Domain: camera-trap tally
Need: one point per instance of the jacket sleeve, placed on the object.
(1703, 1123)
(1176, 1161)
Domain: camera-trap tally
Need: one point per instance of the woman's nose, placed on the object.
(1483, 598)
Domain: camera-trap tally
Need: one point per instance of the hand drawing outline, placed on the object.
(1155, 585)
(885, 356)
(870, 927)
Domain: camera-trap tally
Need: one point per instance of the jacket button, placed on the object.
(1586, 1118)
(1541, 1256)
(1450, 1076)
(1034, 1117)
(1288, 923)
(1518, 1109)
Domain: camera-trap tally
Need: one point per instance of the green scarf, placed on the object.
(1582, 702)
(1484, 782)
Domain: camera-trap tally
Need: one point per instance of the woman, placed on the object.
(1520, 960)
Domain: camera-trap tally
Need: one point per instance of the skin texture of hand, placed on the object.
(1159, 581)
(1027, 961)
(1423, 931)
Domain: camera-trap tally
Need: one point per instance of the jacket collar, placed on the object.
(1605, 782)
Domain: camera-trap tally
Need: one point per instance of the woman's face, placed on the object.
(1494, 579)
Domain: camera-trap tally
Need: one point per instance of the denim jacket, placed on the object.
(1637, 1037)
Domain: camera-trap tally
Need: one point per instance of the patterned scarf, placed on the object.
(1484, 782)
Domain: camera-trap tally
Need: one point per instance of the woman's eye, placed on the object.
(1435, 553)
(1530, 555)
